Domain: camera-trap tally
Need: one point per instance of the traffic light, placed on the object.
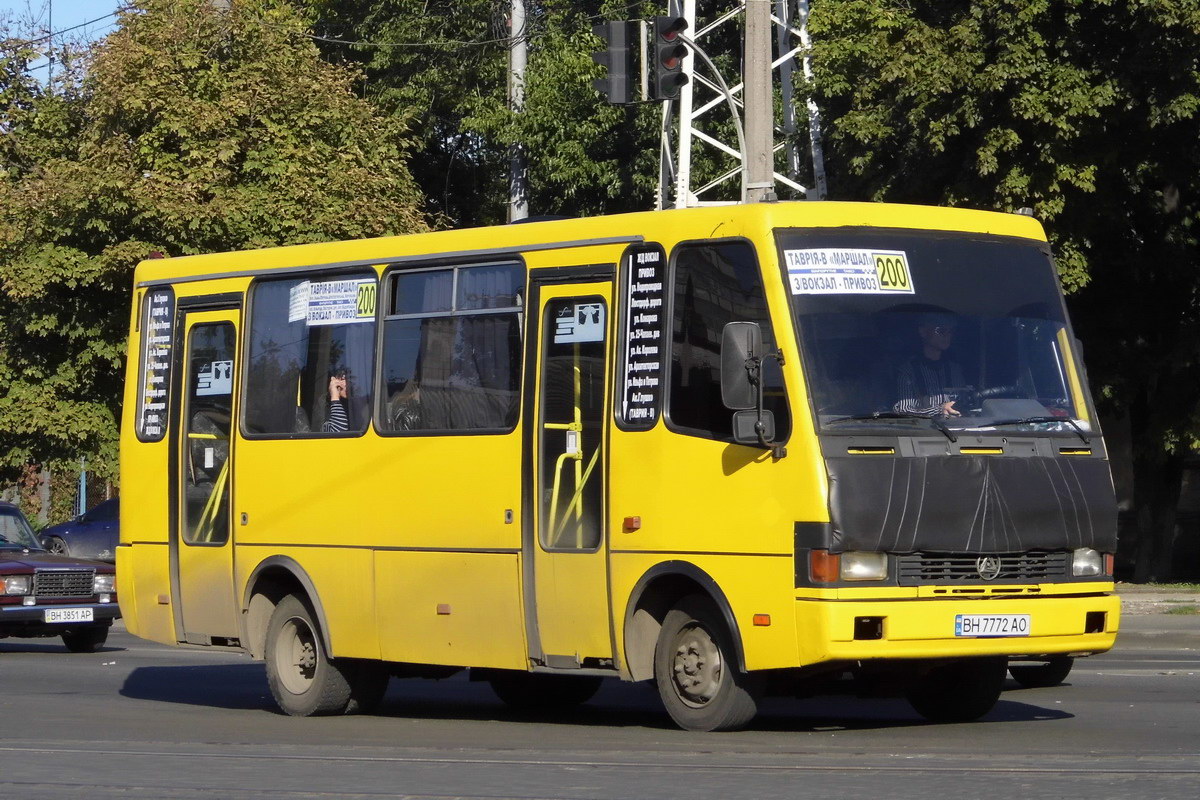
(617, 57)
(666, 67)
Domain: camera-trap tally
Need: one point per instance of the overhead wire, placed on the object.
(53, 34)
(347, 42)
(448, 42)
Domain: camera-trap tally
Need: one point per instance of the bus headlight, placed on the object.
(103, 584)
(17, 584)
(1086, 562)
(863, 566)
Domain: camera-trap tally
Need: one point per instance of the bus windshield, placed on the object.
(902, 329)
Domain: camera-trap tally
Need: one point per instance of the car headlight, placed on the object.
(1086, 562)
(18, 584)
(864, 566)
(103, 584)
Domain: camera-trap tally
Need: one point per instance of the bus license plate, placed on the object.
(991, 625)
(68, 615)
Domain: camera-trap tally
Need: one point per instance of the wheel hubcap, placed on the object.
(296, 653)
(697, 666)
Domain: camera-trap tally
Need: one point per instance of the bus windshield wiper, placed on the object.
(1026, 420)
(937, 423)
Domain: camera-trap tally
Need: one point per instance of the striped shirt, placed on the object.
(338, 421)
(923, 386)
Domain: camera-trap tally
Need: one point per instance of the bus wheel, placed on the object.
(1037, 676)
(697, 678)
(534, 692)
(85, 640)
(304, 681)
(961, 691)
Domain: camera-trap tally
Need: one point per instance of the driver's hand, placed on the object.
(948, 409)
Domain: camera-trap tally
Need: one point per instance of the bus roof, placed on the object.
(668, 225)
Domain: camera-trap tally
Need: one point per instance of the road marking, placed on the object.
(192, 755)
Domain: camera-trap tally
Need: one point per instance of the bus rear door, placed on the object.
(201, 546)
(566, 567)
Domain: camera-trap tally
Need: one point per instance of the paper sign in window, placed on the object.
(578, 323)
(830, 270)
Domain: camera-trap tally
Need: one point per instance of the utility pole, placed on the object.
(518, 170)
(758, 169)
(685, 108)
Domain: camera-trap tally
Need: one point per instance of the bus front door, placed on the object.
(201, 549)
(566, 542)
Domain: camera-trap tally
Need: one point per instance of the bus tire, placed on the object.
(85, 640)
(695, 671)
(539, 692)
(1038, 676)
(304, 681)
(960, 691)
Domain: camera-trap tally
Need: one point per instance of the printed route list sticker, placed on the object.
(641, 393)
(158, 321)
(831, 270)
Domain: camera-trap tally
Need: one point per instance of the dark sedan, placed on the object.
(90, 535)
(44, 594)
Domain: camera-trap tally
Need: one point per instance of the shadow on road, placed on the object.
(244, 687)
(48, 645)
(235, 686)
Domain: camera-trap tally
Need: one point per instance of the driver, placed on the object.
(926, 382)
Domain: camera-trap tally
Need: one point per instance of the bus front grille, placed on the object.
(923, 568)
(66, 583)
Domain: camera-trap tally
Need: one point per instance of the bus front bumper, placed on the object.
(852, 630)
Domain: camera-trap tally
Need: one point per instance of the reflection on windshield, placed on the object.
(903, 329)
(966, 370)
(15, 532)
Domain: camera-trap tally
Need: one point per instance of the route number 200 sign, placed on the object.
(845, 271)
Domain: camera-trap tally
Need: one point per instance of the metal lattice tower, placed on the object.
(701, 99)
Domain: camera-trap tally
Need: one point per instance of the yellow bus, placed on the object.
(737, 451)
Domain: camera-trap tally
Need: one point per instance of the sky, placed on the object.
(67, 16)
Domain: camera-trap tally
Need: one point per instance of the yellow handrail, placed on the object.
(205, 526)
(582, 475)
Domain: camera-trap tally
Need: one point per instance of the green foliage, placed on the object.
(444, 68)
(191, 130)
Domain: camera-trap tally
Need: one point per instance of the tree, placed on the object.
(1085, 111)
(191, 130)
(444, 69)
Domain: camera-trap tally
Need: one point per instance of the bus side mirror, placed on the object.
(741, 343)
(746, 428)
(742, 358)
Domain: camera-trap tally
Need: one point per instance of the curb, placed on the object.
(1156, 640)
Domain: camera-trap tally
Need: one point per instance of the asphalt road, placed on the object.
(143, 721)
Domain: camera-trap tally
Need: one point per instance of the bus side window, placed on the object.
(715, 284)
(310, 356)
(452, 349)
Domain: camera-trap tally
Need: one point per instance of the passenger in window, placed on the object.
(345, 413)
(404, 407)
(929, 382)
